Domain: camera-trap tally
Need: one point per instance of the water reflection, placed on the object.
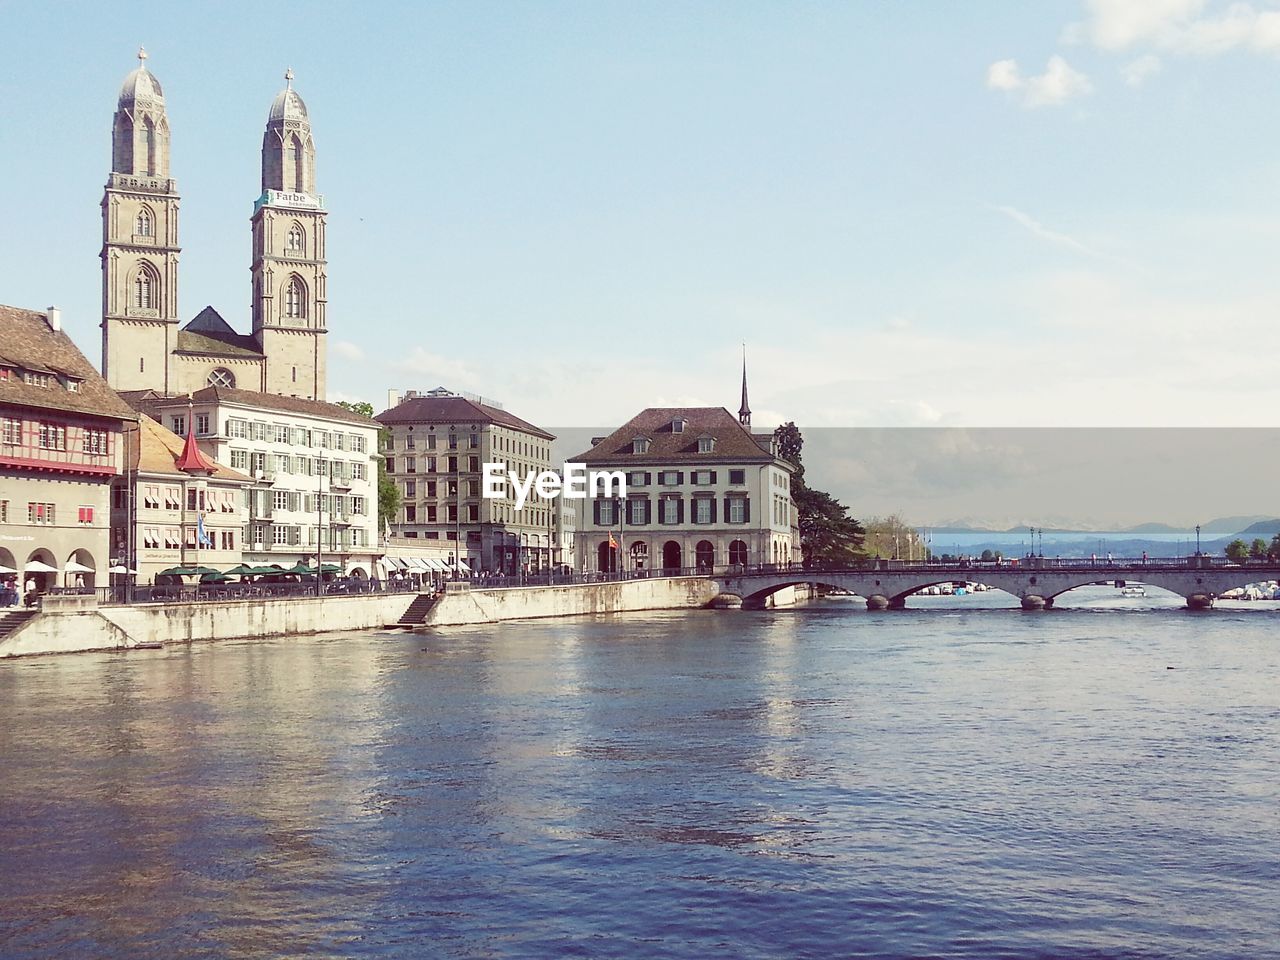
(815, 782)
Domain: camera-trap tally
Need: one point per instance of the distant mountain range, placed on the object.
(1259, 525)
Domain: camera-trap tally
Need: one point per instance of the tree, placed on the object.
(828, 535)
(1258, 549)
(1273, 551)
(388, 492)
(891, 537)
(1237, 551)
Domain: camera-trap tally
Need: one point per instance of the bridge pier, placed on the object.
(877, 602)
(1033, 601)
(1200, 601)
(898, 603)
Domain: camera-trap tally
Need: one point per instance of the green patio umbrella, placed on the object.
(214, 577)
(241, 570)
(178, 572)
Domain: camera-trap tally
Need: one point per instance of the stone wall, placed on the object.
(491, 606)
(115, 627)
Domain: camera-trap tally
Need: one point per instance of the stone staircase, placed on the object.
(12, 618)
(417, 612)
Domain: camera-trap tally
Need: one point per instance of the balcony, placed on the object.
(340, 483)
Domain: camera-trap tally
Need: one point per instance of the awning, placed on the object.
(463, 565)
(421, 564)
(4, 569)
(75, 567)
(120, 568)
(439, 566)
(38, 566)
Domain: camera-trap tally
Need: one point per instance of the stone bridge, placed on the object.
(1037, 582)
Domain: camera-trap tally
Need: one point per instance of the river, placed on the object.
(1097, 781)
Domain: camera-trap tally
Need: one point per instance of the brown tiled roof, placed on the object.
(734, 442)
(455, 410)
(150, 402)
(158, 450)
(210, 335)
(26, 340)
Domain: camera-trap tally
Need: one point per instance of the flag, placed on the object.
(613, 544)
(202, 537)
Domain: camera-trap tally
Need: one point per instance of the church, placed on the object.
(144, 345)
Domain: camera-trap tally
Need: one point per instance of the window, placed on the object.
(143, 294)
(280, 462)
(357, 471)
(431, 513)
(238, 429)
(410, 443)
(640, 445)
(453, 464)
(143, 224)
(410, 464)
(53, 436)
(202, 424)
(12, 430)
(411, 488)
(431, 441)
(94, 441)
(280, 535)
(670, 510)
(431, 464)
(473, 488)
(431, 488)
(172, 501)
(228, 540)
(737, 510)
(280, 499)
(40, 513)
(637, 512)
(84, 515)
(677, 425)
(239, 459)
(280, 432)
(322, 439)
(671, 478)
(473, 512)
(453, 441)
(259, 431)
(295, 299)
(453, 512)
(706, 444)
(357, 443)
(73, 385)
(37, 379)
(637, 478)
(295, 241)
(605, 513)
(357, 505)
(474, 442)
(704, 510)
(473, 464)
(178, 425)
(410, 513)
(391, 464)
(258, 461)
(737, 477)
(339, 441)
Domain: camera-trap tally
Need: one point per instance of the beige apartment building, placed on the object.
(60, 448)
(703, 493)
(436, 444)
(169, 494)
(313, 467)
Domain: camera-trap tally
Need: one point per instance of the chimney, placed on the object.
(393, 399)
(55, 318)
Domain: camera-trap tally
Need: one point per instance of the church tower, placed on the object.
(289, 296)
(139, 241)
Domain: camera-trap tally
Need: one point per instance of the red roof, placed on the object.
(191, 459)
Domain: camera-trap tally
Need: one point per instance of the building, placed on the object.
(60, 448)
(169, 493)
(314, 467)
(703, 492)
(565, 547)
(435, 445)
(143, 347)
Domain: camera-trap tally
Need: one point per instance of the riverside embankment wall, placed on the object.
(493, 606)
(115, 627)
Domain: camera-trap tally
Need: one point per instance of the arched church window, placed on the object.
(295, 299)
(295, 242)
(143, 226)
(144, 290)
(222, 377)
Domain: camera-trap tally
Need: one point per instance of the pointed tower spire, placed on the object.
(192, 459)
(744, 411)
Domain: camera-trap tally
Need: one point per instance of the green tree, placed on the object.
(828, 535)
(1237, 551)
(1273, 551)
(1258, 549)
(388, 492)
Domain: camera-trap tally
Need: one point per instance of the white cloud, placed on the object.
(1038, 229)
(1182, 26)
(1137, 72)
(1059, 83)
(440, 371)
(347, 350)
(1118, 24)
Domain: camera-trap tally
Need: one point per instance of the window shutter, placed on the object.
(680, 510)
(679, 477)
(648, 478)
(713, 476)
(746, 509)
(595, 507)
(648, 510)
(713, 509)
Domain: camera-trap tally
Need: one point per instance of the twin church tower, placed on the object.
(143, 347)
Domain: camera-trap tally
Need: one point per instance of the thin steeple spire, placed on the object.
(744, 412)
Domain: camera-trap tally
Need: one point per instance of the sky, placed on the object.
(1004, 214)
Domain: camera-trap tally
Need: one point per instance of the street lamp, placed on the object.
(1197, 539)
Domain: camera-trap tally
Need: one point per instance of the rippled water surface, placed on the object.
(814, 782)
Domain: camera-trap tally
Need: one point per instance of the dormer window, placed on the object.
(706, 444)
(73, 385)
(677, 425)
(640, 445)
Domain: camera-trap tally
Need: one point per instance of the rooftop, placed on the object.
(150, 402)
(438, 408)
(158, 451)
(733, 442)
